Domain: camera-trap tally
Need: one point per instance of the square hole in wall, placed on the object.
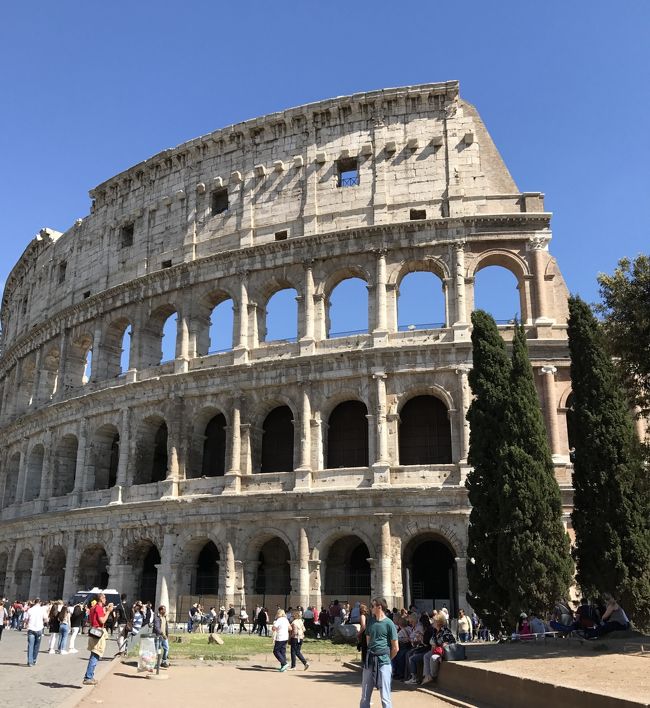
(86, 294)
(281, 235)
(63, 266)
(166, 264)
(219, 201)
(418, 214)
(348, 172)
(126, 235)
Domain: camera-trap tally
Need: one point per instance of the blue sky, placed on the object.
(89, 89)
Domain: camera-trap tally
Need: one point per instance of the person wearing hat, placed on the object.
(222, 619)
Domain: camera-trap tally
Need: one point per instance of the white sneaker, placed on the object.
(64, 651)
(411, 682)
(51, 651)
(73, 651)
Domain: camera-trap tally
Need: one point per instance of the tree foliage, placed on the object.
(626, 311)
(611, 514)
(518, 554)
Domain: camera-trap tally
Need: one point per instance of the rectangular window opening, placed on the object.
(126, 235)
(86, 294)
(281, 235)
(348, 172)
(418, 214)
(63, 266)
(166, 264)
(219, 201)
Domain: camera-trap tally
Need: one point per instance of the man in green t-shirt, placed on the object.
(381, 637)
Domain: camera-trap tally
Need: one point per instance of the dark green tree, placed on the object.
(533, 551)
(611, 508)
(626, 311)
(488, 379)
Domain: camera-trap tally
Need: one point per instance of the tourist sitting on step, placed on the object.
(614, 618)
(440, 637)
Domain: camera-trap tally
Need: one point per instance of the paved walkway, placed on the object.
(253, 684)
(52, 681)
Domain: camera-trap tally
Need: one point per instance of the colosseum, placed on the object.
(323, 465)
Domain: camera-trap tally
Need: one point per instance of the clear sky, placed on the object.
(89, 89)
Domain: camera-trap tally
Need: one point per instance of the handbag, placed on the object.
(454, 652)
(96, 632)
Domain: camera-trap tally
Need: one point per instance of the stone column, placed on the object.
(303, 566)
(123, 459)
(241, 343)
(380, 331)
(165, 586)
(97, 353)
(308, 311)
(303, 471)
(80, 463)
(380, 460)
(46, 474)
(550, 410)
(70, 571)
(538, 248)
(61, 384)
(461, 323)
(176, 461)
(317, 441)
(36, 386)
(22, 472)
(233, 473)
(181, 362)
(465, 401)
(385, 560)
(461, 582)
(320, 317)
(316, 588)
(230, 576)
(37, 573)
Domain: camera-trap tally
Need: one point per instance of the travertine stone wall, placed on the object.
(432, 195)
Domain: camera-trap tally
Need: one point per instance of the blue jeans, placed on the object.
(33, 646)
(368, 684)
(164, 643)
(280, 652)
(63, 637)
(93, 659)
(296, 652)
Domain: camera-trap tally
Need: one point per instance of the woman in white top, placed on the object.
(297, 635)
(281, 637)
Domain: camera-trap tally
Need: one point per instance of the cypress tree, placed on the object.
(489, 383)
(611, 509)
(534, 560)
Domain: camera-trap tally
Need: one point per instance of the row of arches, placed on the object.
(428, 570)
(215, 325)
(424, 438)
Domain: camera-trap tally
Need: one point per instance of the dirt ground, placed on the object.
(618, 668)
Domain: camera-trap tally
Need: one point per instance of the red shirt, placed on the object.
(97, 613)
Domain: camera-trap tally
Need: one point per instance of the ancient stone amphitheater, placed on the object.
(281, 472)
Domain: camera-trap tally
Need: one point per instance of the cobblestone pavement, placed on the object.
(53, 680)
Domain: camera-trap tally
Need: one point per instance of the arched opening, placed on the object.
(277, 441)
(347, 438)
(424, 432)
(282, 316)
(149, 575)
(50, 373)
(214, 447)
(205, 580)
(421, 302)
(93, 568)
(273, 576)
(11, 480)
(347, 572)
(79, 361)
(151, 456)
(221, 328)
(429, 574)
(53, 572)
(116, 348)
(496, 291)
(65, 465)
(105, 457)
(348, 308)
(4, 562)
(571, 423)
(34, 473)
(159, 337)
(23, 574)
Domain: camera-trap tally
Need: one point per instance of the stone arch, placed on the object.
(92, 570)
(151, 335)
(339, 324)
(429, 390)
(347, 435)
(114, 340)
(424, 305)
(143, 556)
(151, 451)
(347, 570)
(53, 574)
(65, 465)
(338, 275)
(428, 264)
(202, 319)
(429, 569)
(104, 458)
(253, 543)
(277, 454)
(23, 573)
(271, 291)
(207, 453)
(11, 480)
(205, 570)
(34, 475)
(424, 431)
(273, 573)
(512, 263)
